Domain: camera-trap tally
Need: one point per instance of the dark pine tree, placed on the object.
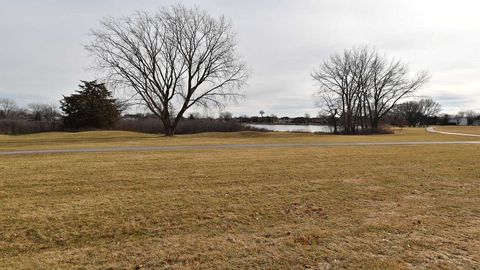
(93, 106)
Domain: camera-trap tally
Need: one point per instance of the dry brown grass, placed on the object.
(460, 129)
(59, 140)
(284, 208)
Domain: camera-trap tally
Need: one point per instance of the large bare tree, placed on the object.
(364, 85)
(173, 59)
(389, 83)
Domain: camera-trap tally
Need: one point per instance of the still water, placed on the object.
(294, 128)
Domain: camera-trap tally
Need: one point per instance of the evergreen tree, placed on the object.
(90, 107)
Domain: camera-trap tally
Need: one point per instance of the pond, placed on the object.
(293, 128)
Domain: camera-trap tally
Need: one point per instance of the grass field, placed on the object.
(460, 129)
(120, 138)
(375, 207)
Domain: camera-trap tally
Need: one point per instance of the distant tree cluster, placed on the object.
(359, 87)
(418, 113)
(34, 111)
(225, 116)
(93, 106)
(36, 117)
(44, 112)
(471, 116)
(273, 119)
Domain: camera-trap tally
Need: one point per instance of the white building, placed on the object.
(459, 121)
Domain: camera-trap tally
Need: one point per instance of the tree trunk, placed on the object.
(169, 131)
(168, 127)
(375, 124)
(335, 129)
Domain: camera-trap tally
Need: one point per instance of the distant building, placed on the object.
(284, 120)
(458, 121)
(462, 122)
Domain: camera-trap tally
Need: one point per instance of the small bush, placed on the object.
(147, 125)
(207, 125)
(365, 131)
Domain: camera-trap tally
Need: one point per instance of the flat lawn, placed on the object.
(371, 207)
(460, 129)
(58, 140)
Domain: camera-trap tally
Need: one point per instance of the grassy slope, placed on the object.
(119, 138)
(357, 207)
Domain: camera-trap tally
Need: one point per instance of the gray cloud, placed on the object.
(282, 41)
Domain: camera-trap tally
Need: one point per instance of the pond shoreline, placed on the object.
(310, 128)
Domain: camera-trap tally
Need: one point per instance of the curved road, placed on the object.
(433, 130)
(219, 146)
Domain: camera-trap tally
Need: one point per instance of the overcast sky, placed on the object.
(42, 56)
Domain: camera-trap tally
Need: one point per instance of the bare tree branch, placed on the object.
(363, 86)
(173, 60)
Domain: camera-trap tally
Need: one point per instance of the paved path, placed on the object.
(433, 130)
(219, 146)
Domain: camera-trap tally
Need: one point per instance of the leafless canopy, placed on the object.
(42, 111)
(417, 112)
(429, 107)
(174, 59)
(7, 107)
(363, 86)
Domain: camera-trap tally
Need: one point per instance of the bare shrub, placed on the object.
(186, 126)
(17, 127)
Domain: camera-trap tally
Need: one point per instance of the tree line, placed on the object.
(177, 59)
(35, 111)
